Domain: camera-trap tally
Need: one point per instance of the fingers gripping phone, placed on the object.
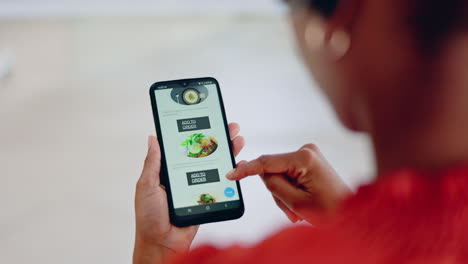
(196, 152)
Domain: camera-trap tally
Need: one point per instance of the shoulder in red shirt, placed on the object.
(407, 216)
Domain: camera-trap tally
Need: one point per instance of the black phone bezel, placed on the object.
(204, 218)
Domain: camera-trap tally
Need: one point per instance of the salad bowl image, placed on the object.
(206, 198)
(189, 96)
(199, 145)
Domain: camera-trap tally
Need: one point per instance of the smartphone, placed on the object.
(196, 152)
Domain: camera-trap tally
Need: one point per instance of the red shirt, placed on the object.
(408, 216)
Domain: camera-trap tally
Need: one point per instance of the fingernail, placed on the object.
(230, 175)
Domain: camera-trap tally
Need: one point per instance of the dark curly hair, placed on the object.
(431, 21)
(324, 7)
(435, 21)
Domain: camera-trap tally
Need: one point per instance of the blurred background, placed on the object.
(75, 115)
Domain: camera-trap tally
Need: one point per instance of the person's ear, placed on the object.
(315, 33)
(332, 35)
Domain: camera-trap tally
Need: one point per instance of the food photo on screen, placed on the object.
(199, 145)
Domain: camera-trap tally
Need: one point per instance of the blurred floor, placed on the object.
(75, 116)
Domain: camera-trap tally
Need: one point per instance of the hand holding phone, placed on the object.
(156, 238)
(160, 231)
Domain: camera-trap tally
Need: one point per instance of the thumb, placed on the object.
(152, 167)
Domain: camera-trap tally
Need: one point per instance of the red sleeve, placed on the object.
(293, 245)
(407, 217)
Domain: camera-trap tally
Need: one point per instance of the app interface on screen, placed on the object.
(196, 148)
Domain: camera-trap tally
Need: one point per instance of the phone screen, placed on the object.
(196, 147)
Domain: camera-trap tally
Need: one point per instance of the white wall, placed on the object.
(54, 8)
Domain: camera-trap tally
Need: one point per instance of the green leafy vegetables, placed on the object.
(198, 145)
(206, 199)
(194, 138)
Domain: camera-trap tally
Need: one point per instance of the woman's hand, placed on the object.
(302, 183)
(156, 238)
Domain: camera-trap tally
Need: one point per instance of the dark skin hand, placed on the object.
(156, 238)
(302, 183)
